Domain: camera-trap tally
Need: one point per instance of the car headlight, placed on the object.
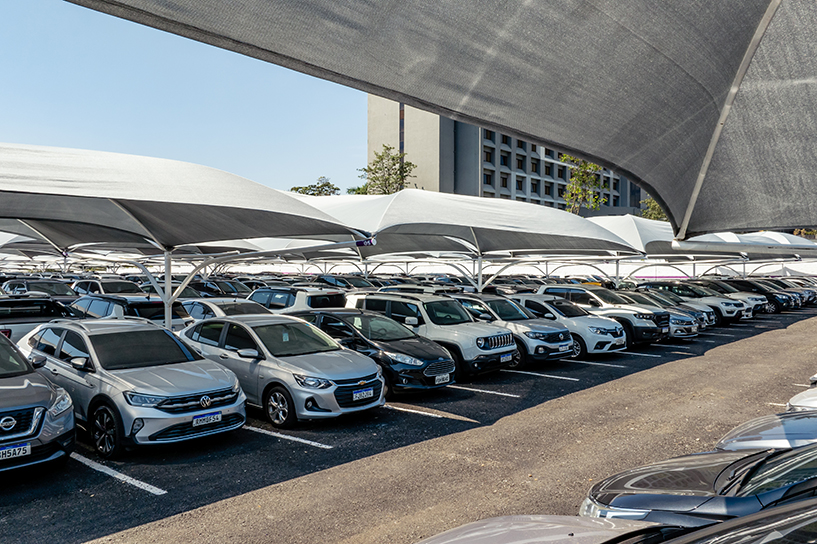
(61, 404)
(646, 317)
(597, 330)
(140, 399)
(312, 382)
(405, 359)
(236, 387)
(592, 509)
(729, 304)
(480, 343)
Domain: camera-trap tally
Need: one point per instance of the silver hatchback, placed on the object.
(134, 382)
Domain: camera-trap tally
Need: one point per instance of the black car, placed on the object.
(695, 490)
(409, 361)
(216, 287)
(145, 306)
(777, 298)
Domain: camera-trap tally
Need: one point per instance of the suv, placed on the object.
(759, 303)
(536, 339)
(21, 313)
(36, 419)
(148, 306)
(727, 310)
(290, 299)
(475, 347)
(106, 287)
(642, 325)
(57, 290)
(134, 382)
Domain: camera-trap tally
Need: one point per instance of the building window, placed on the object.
(506, 140)
(489, 155)
(537, 202)
(503, 180)
(534, 187)
(606, 183)
(488, 178)
(520, 184)
(560, 172)
(548, 204)
(504, 158)
(615, 201)
(549, 169)
(521, 144)
(521, 199)
(549, 152)
(488, 134)
(615, 185)
(562, 206)
(534, 166)
(520, 163)
(548, 189)
(562, 191)
(506, 197)
(534, 148)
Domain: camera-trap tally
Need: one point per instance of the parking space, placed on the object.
(87, 498)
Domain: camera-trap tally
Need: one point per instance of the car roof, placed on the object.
(105, 326)
(337, 311)
(417, 297)
(253, 320)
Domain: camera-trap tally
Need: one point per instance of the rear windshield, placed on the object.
(358, 282)
(52, 288)
(156, 310)
(139, 349)
(608, 297)
(232, 287)
(120, 287)
(20, 308)
(290, 339)
(11, 363)
(326, 301)
(567, 309)
(242, 308)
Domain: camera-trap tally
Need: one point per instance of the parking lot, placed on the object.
(381, 476)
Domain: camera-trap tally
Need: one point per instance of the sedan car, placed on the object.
(36, 417)
(135, 383)
(205, 308)
(408, 361)
(290, 368)
(695, 490)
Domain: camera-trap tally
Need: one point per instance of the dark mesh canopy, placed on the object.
(709, 105)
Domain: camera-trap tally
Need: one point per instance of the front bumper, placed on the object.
(431, 376)
(544, 351)
(648, 334)
(340, 399)
(489, 363)
(683, 331)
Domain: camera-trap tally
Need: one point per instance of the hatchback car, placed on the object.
(118, 307)
(36, 417)
(290, 368)
(136, 383)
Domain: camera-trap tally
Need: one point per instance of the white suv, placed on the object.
(283, 300)
(475, 347)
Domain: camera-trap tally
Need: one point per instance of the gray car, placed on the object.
(290, 368)
(135, 383)
(36, 419)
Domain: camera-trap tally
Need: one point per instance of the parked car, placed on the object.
(809, 294)
(345, 282)
(759, 303)
(536, 339)
(205, 308)
(726, 310)
(57, 290)
(777, 299)
(217, 287)
(710, 319)
(187, 292)
(590, 333)
(779, 431)
(288, 367)
(408, 362)
(106, 287)
(36, 416)
(805, 400)
(695, 490)
(118, 307)
(476, 347)
(682, 325)
(21, 313)
(135, 383)
(291, 299)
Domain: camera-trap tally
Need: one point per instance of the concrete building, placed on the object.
(455, 157)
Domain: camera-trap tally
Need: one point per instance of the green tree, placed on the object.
(584, 186)
(322, 188)
(653, 210)
(362, 190)
(387, 173)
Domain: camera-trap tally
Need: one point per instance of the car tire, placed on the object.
(520, 358)
(388, 389)
(579, 347)
(720, 321)
(629, 332)
(460, 374)
(107, 432)
(279, 408)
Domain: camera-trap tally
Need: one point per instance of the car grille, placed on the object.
(343, 394)
(186, 430)
(438, 368)
(501, 341)
(356, 380)
(27, 423)
(553, 338)
(661, 320)
(192, 403)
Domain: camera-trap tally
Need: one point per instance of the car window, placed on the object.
(580, 297)
(47, 342)
(566, 308)
(93, 287)
(401, 310)
(537, 308)
(99, 308)
(155, 311)
(376, 327)
(507, 310)
(80, 306)
(73, 346)
(336, 328)
(794, 466)
(326, 301)
(238, 338)
(139, 349)
(280, 299)
(51, 288)
(311, 318)
(376, 305)
(11, 362)
(30, 308)
(261, 297)
(195, 309)
(474, 308)
(207, 333)
(241, 308)
(81, 287)
(558, 291)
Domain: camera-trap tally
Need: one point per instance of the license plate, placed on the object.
(619, 341)
(17, 450)
(207, 419)
(442, 378)
(506, 358)
(363, 393)
(694, 328)
(564, 348)
(665, 329)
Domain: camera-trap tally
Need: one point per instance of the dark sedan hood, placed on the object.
(24, 391)
(418, 347)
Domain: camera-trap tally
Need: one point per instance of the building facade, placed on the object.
(456, 157)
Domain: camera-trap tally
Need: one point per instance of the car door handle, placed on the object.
(223, 356)
(54, 371)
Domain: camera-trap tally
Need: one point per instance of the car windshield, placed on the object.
(337, 300)
(721, 286)
(379, 328)
(11, 363)
(709, 292)
(507, 310)
(358, 282)
(446, 312)
(232, 287)
(120, 287)
(566, 308)
(52, 288)
(242, 308)
(767, 285)
(140, 349)
(608, 297)
(639, 298)
(781, 470)
(290, 339)
(187, 292)
(155, 310)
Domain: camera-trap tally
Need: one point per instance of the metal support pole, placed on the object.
(479, 274)
(618, 276)
(693, 270)
(167, 295)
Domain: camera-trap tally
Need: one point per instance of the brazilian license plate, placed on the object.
(506, 358)
(15, 450)
(207, 419)
(361, 394)
(442, 378)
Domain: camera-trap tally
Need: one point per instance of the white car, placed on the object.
(590, 333)
(205, 308)
(281, 300)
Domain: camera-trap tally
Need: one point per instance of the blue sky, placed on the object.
(73, 77)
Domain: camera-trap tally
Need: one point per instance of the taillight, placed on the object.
(6, 332)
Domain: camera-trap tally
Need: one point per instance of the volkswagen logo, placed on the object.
(205, 402)
(7, 423)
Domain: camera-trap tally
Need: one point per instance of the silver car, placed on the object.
(134, 382)
(290, 368)
(36, 419)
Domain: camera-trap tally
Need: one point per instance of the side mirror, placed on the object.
(346, 341)
(485, 317)
(549, 316)
(412, 321)
(79, 363)
(595, 304)
(249, 353)
(37, 361)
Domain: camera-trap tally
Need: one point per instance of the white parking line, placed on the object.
(541, 375)
(719, 334)
(435, 413)
(118, 475)
(710, 341)
(483, 391)
(287, 437)
(412, 411)
(775, 404)
(801, 385)
(681, 353)
(642, 354)
(679, 347)
(597, 364)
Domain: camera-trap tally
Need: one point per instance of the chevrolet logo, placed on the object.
(362, 382)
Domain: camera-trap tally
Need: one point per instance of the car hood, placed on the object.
(341, 364)
(177, 378)
(417, 347)
(635, 308)
(806, 399)
(32, 389)
(686, 482)
(531, 529)
(778, 431)
(592, 321)
(539, 324)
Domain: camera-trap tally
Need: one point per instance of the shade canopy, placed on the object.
(70, 196)
(706, 104)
